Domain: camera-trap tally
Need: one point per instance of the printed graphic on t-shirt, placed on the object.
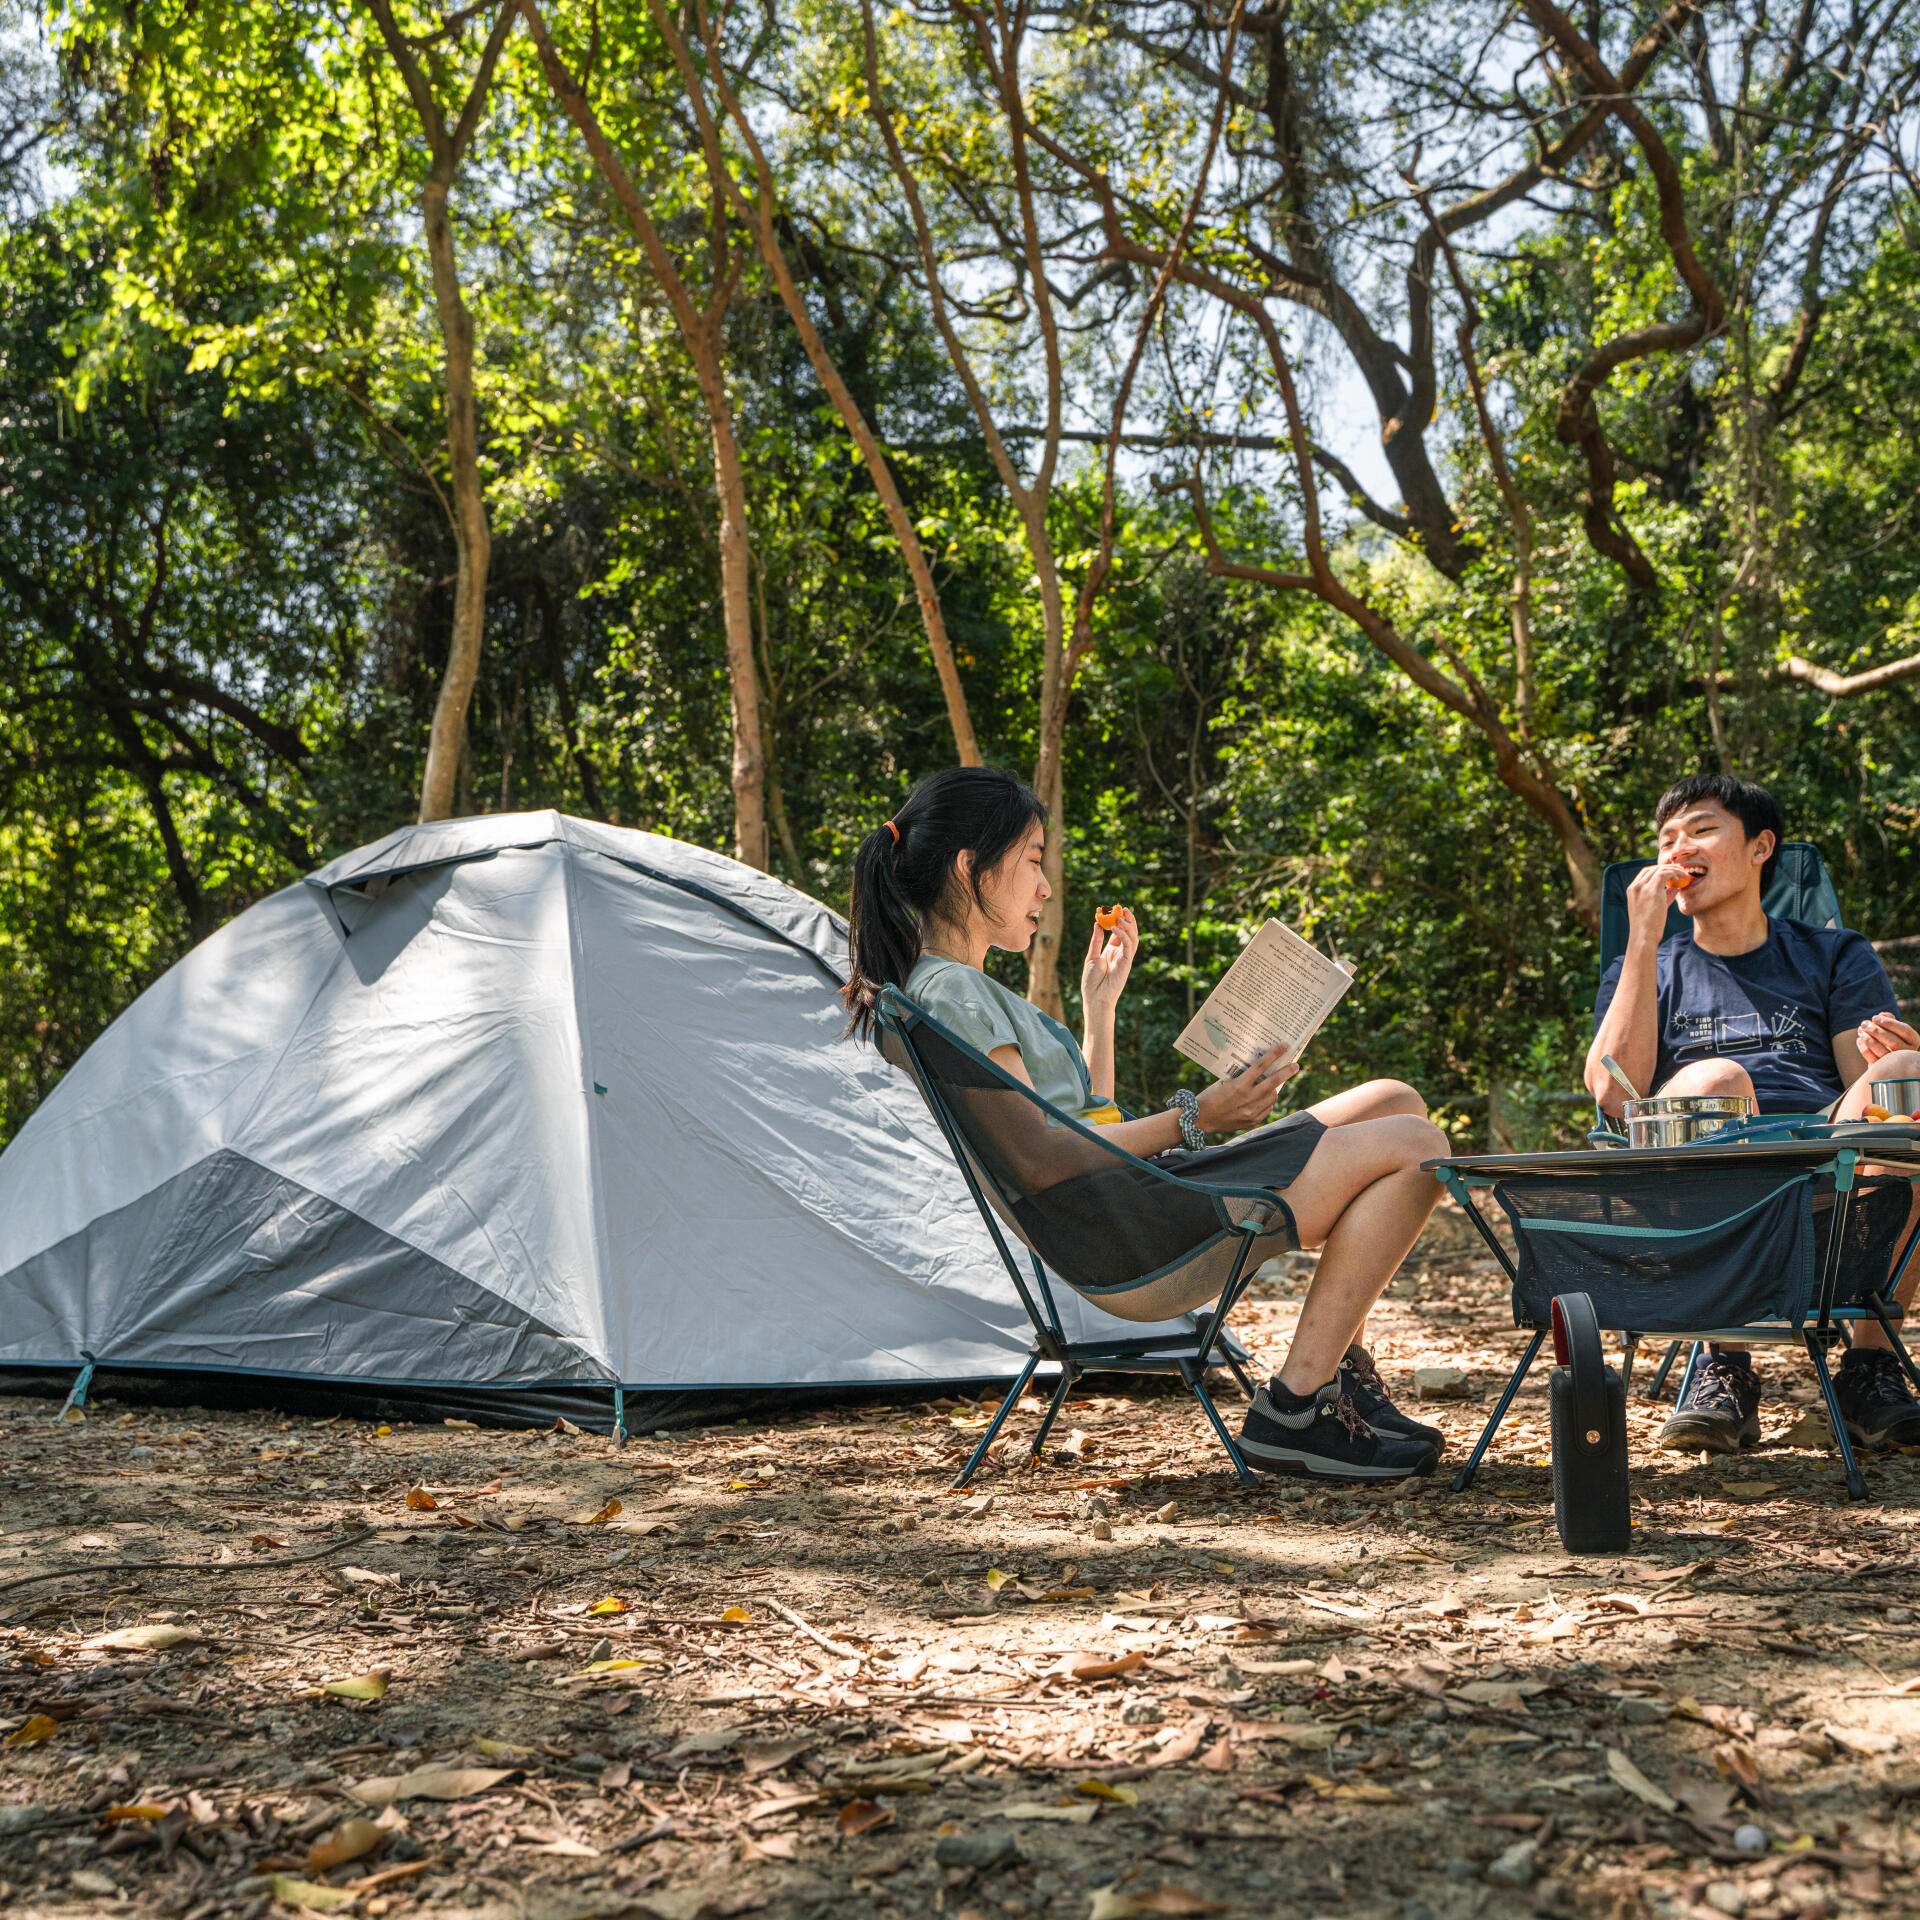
(1784, 1031)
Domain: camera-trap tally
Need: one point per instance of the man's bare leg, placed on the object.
(1892, 1066)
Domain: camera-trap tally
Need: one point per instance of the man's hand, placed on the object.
(1109, 960)
(1231, 1106)
(1649, 893)
(1885, 1033)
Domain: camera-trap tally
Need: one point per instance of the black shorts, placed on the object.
(1270, 1156)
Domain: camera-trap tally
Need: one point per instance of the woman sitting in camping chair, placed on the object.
(959, 870)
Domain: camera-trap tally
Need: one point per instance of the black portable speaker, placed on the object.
(1589, 1422)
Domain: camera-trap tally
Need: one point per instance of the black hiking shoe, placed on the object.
(1875, 1400)
(1720, 1412)
(1324, 1436)
(1368, 1392)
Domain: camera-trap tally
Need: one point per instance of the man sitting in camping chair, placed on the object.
(1791, 1015)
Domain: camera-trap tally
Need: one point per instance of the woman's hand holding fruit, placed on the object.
(1103, 976)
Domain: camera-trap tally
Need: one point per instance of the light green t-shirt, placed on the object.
(984, 1014)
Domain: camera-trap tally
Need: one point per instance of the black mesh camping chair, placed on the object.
(1136, 1240)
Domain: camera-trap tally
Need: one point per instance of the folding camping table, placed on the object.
(1716, 1240)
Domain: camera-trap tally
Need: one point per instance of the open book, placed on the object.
(1279, 989)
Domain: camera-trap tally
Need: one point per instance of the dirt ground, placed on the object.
(785, 1670)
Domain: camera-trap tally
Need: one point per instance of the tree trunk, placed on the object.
(471, 538)
(749, 776)
(1043, 957)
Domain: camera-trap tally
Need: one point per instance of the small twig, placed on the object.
(812, 1633)
(188, 1566)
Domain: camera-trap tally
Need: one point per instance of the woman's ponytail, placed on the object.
(883, 931)
(903, 871)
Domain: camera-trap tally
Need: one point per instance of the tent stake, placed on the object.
(619, 1416)
(76, 1401)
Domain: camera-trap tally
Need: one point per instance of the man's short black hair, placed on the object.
(1753, 806)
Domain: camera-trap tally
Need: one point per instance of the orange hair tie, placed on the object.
(895, 831)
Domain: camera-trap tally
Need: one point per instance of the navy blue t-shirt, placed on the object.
(1774, 1010)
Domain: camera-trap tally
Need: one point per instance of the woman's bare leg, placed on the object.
(1362, 1199)
(1370, 1100)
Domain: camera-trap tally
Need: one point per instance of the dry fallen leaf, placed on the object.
(366, 1577)
(996, 1579)
(1112, 1903)
(1246, 1664)
(1098, 1669)
(1812, 1430)
(769, 1756)
(735, 1616)
(359, 1686)
(862, 1816)
(1040, 1810)
(611, 1604)
(605, 1514)
(305, 1893)
(1183, 1746)
(1862, 1739)
(144, 1810)
(1736, 1763)
(154, 1639)
(1309, 1734)
(1749, 1490)
(350, 1840)
(421, 1501)
(501, 1749)
(1707, 1800)
(1626, 1774)
(431, 1783)
(1107, 1790)
(37, 1727)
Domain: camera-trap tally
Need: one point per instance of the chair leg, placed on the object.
(1059, 1400)
(1464, 1478)
(993, 1426)
(1658, 1384)
(1629, 1353)
(1693, 1366)
(1881, 1314)
(1856, 1480)
(1193, 1373)
(1239, 1372)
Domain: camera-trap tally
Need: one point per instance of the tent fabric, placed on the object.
(520, 1102)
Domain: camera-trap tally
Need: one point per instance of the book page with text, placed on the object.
(1280, 988)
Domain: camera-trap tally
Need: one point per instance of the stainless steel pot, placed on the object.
(1676, 1119)
(1897, 1096)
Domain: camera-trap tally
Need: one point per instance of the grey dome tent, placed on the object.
(508, 1115)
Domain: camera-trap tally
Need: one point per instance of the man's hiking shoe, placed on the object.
(1875, 1400)
(1720, 1411)
(1324, 1436)
(1368, 1392)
